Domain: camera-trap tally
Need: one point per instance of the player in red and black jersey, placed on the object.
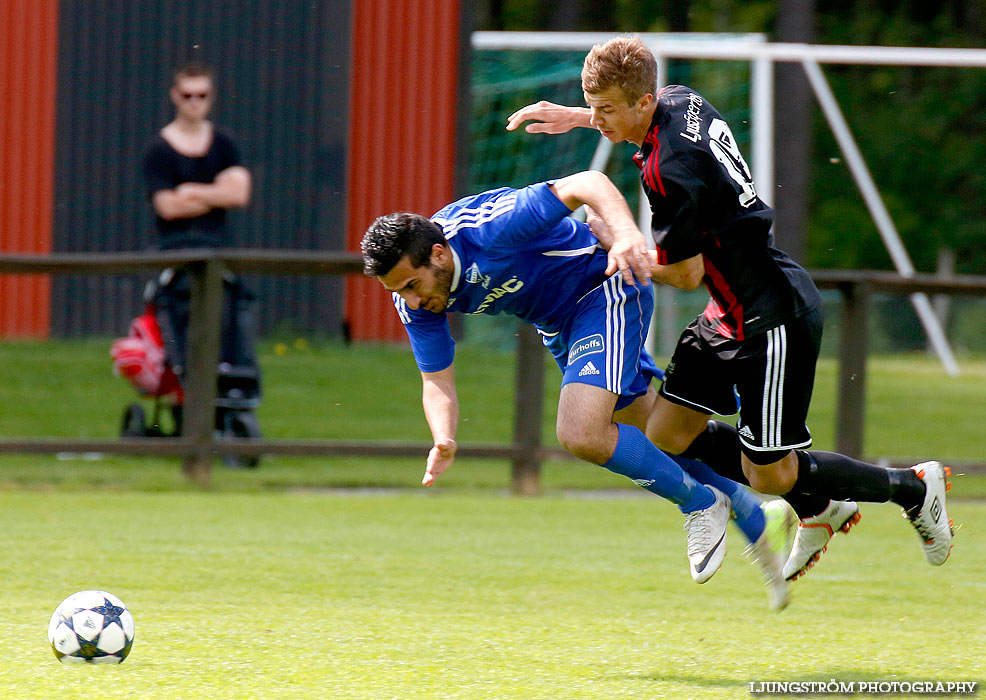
(703, 203)
(761, 330)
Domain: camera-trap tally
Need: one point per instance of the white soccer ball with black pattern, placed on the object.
(91, 627)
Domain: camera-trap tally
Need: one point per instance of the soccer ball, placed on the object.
(91, 627)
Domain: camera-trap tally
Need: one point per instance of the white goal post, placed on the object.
(762, 55)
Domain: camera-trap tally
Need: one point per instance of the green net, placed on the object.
(506, 80)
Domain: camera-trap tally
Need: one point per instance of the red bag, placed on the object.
(139, 358)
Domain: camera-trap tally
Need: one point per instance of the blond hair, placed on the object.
(623, 62)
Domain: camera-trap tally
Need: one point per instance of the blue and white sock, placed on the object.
(636, 457)
(746, 506)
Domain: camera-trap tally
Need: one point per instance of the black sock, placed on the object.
(805, 504)
(719, 447)
(822, 476)
(906, 489)
(844, 478)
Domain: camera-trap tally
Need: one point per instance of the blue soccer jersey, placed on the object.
(519, 252)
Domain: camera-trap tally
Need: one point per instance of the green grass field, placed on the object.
(419, 594)
(279, 584)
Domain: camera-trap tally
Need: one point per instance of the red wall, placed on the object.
(402, 137)
(403, 93)
(28, 62)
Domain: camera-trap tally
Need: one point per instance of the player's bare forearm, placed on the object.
(441, 407)
(615, 227)
(687, 274)
(549, 118)
(599, 228)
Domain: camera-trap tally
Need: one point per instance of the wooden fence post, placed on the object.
(853, 349)
(528, 411)
(201, 381)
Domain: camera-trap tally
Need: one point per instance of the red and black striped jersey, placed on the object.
(703, 202)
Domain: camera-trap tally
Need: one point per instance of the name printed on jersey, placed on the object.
(693, 122)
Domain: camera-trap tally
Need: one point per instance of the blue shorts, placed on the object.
(602, 342)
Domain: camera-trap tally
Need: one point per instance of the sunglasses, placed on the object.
(196, 95)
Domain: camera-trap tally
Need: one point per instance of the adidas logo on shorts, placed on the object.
(746, 432)
(589, 369)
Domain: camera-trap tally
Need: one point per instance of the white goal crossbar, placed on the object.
(762, 55)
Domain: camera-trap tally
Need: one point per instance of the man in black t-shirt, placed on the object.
(761, 330)
(193, 175)
(192, 169)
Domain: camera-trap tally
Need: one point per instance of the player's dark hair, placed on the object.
(193, 69)
(391, 237)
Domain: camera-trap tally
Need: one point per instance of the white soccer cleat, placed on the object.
(814, 533)
(931, 521)
(706, 539)
(771, 549)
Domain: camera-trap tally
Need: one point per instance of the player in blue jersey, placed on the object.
(761, 330)
(519, 252)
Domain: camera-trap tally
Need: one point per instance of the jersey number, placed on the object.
(726, 151)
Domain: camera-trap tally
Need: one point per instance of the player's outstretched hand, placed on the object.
(439, 459)
(546, 118)
(631, 257)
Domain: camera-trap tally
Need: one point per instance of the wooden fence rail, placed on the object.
(199, 446)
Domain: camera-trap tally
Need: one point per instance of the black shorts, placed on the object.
(773, 374)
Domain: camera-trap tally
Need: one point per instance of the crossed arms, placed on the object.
(229, 190)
